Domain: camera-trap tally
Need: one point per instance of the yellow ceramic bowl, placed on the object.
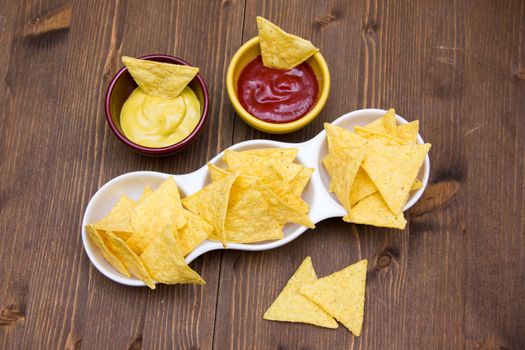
(249, 51)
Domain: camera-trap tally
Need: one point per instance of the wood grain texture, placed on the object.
(454, 279)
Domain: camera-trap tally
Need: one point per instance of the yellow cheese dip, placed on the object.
(156, 122)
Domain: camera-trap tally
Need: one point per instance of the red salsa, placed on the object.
(274, 95)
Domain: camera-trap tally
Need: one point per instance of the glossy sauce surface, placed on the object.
(277, 96)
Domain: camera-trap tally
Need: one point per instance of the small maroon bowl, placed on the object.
(122, 85)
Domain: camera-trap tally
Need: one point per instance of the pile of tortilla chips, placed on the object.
(149, 238)
(254, 197)
(281, 50)
(339, 296)
(373, 169)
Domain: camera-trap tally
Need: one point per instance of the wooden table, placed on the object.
(454, 279)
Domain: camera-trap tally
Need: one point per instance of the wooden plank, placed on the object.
(434, 285)
(66, 152)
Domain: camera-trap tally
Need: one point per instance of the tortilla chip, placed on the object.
(393, 170)
(119, 218)
(286, 155)
(407, 133)
(128, 257)
(211, 204)
(164, 260)
(416, 185)
(282, 50)
(381, 138)
(251, 165)
(339, 138)
(247, 203)
(281, 211)
(362, 187)
(373, 210)
(166, 80)
(300, 181)
(342, 295)
(162, 207)
(147, 191)
(193, 233)
(385, 125)
(217, 173)
(111, 258)
(342, 168)
(291, 306)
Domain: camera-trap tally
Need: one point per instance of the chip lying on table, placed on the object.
(373, 169)
(307, 299)
(149, 238)
(254, 197)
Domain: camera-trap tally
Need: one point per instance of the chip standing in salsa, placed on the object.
(277, 96)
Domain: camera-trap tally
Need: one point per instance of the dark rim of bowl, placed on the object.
(161, 150)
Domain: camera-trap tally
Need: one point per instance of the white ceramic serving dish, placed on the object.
(323, 204)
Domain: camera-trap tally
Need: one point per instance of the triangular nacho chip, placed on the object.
(339, 138)
(147, 191)
(342, 295)
(393, 170)
(362, 187)
(193, 233)
(376, 137)
(342, 168)
(165, 263)
(300, 181)
(252, 165)
(128, 257)
(373, 210)
(211, 204)
(119, 218)
(407, 133)
(112, 259)
(162, 207)
(287, 155)
(384, 125)
(217, 173)
(282, 50)
(246, 203)
(159, 79)
(290, 306)
(281, 211)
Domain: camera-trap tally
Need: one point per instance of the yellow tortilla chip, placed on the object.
(251, 165)
(407, 133)
(166, 80)
(339, 138)
(291, 306)
(119, 218)
(416, 185)
(362, 187)
(147, 191)
(386, 125)
(106, 252)
(128, 257)
(393, 170)
(275, 182)
(342, 295)
(162, 207)
(300, 181)
(281, 211)
(217, 173)
(342, 168)
(380, 138)
(193, 233)
(164, 260)
(282, 50)
(247, 203)
(286, 155)
(373, 210)
(211, 204)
